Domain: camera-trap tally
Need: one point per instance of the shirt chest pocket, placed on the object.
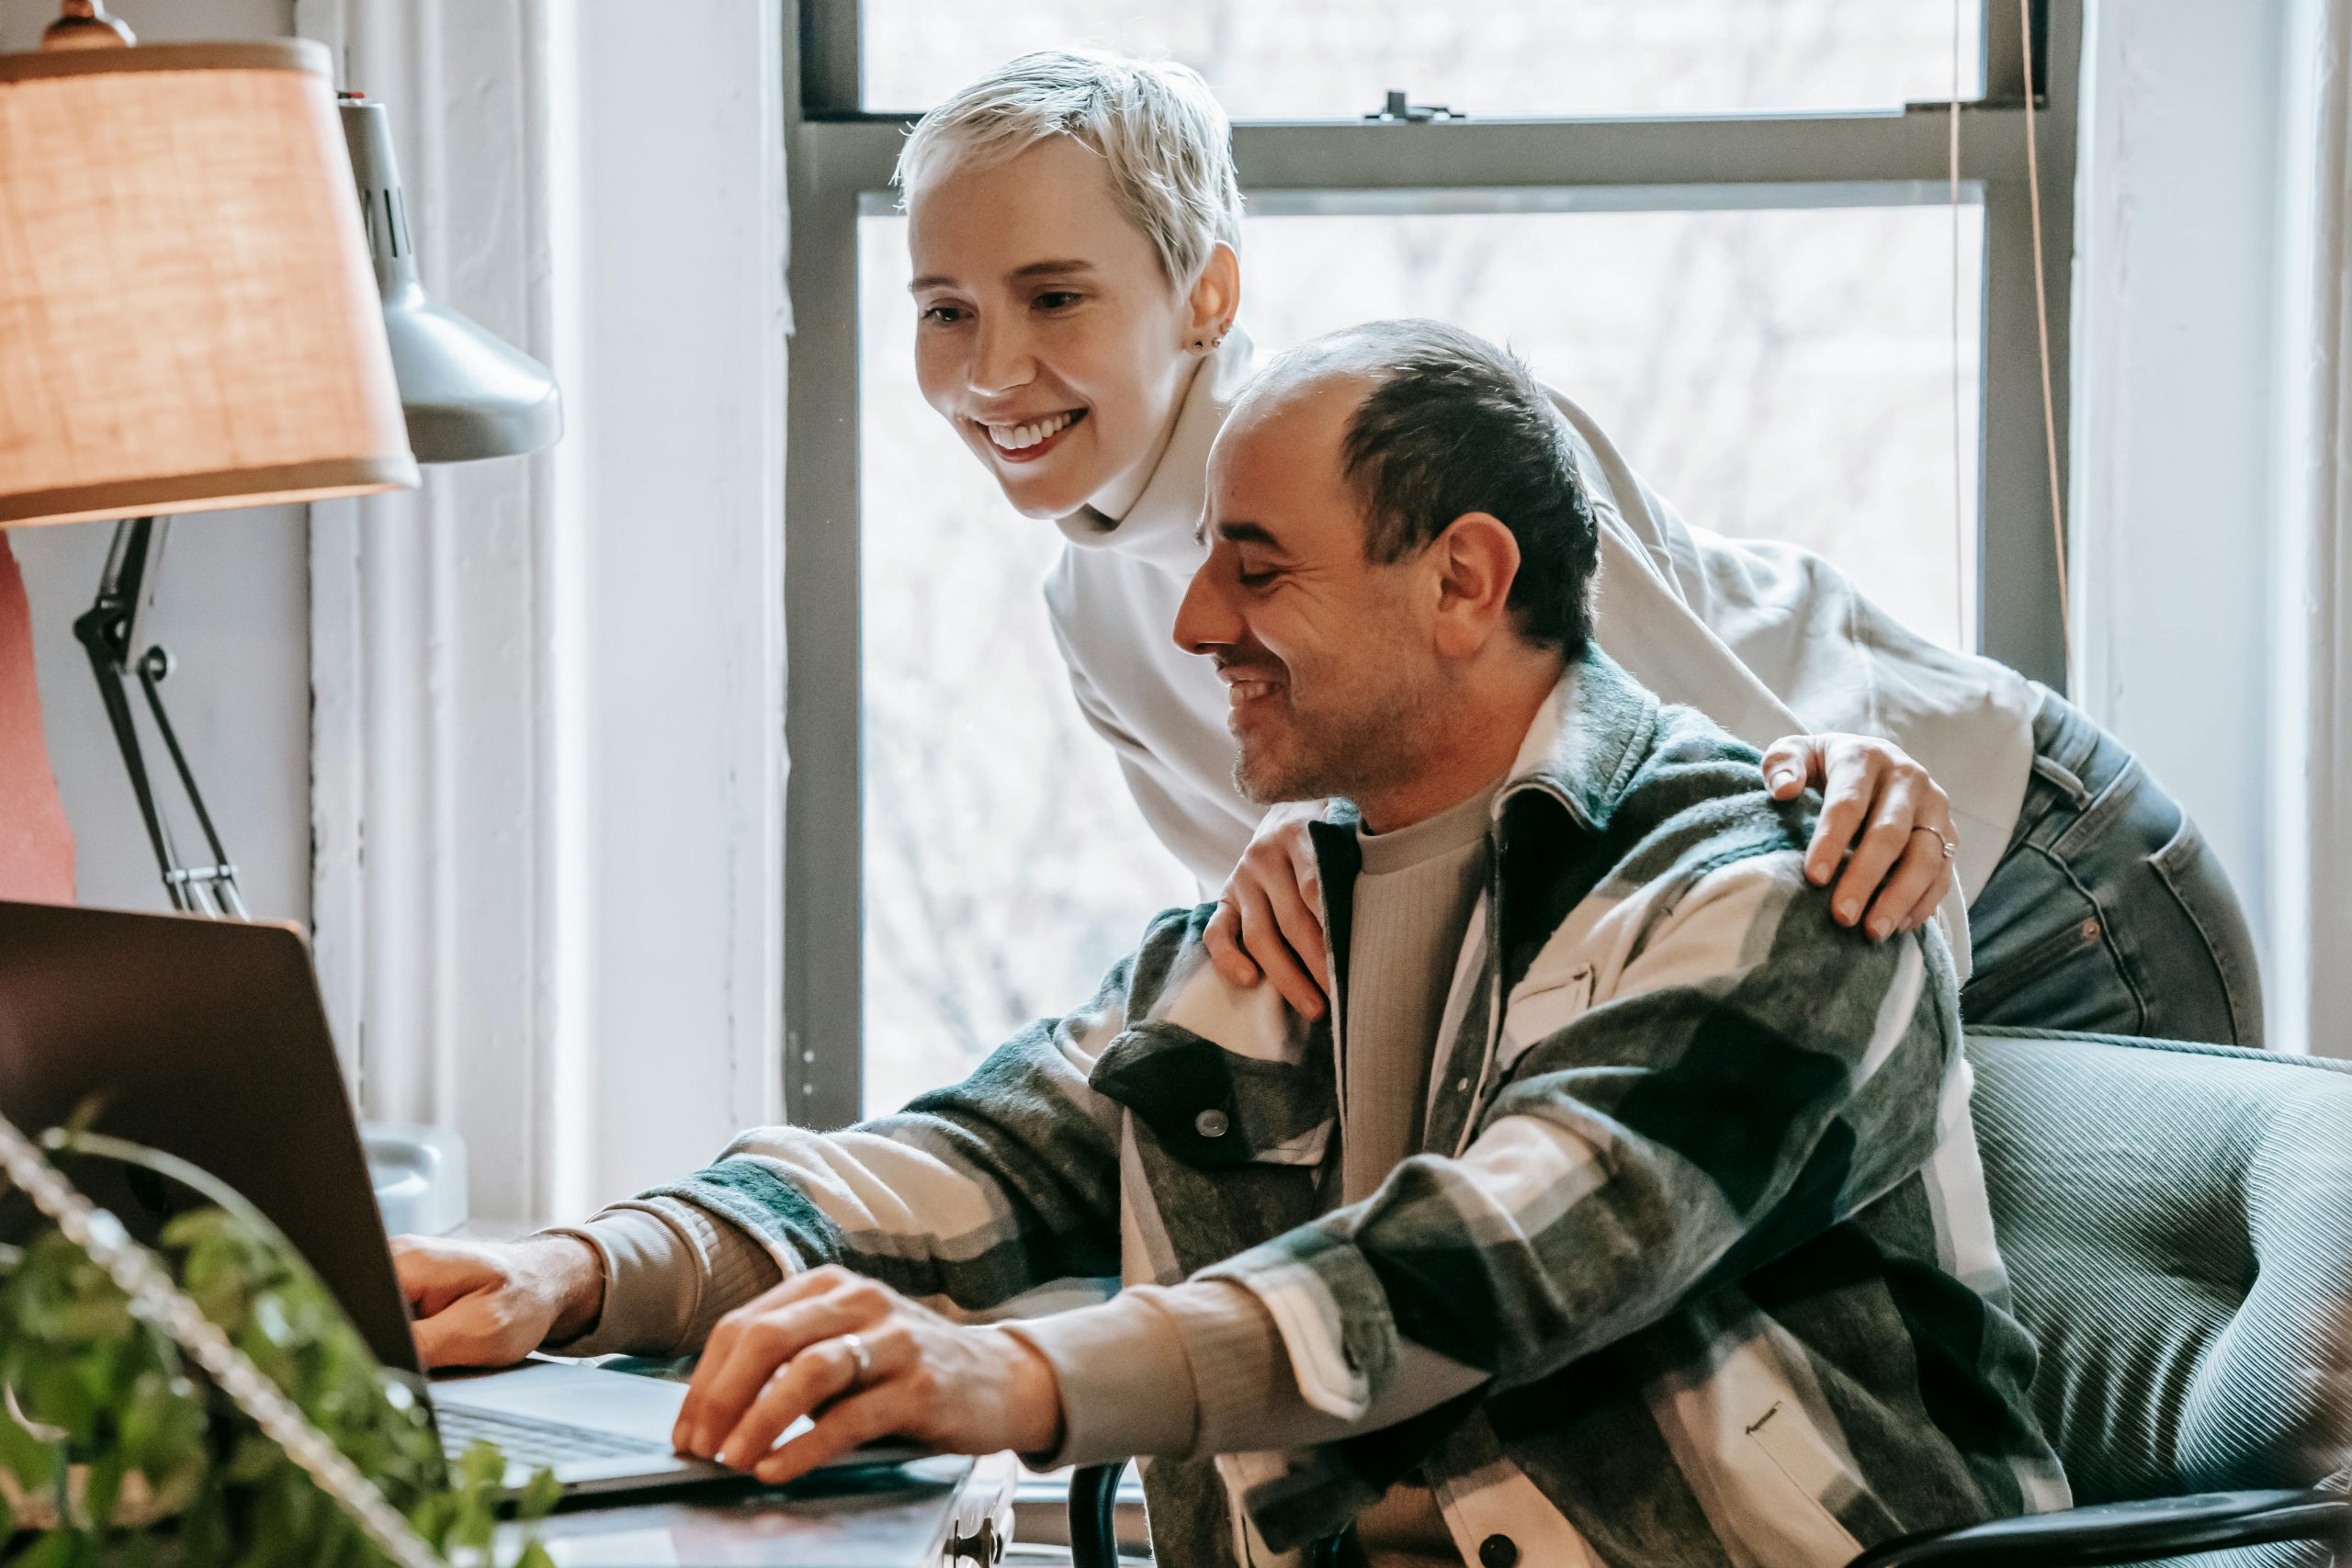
(1541, 1006)
(1215, 1109)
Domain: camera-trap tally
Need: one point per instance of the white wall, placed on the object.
(550, 691)
(2182, 232)
(234, 609)
(682, 323)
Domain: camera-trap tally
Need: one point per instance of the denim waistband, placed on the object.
(2072, 755)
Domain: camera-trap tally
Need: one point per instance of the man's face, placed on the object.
(1325, 655)
(1046, 332)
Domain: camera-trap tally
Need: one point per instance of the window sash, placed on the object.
(838, 164)
(825, 69)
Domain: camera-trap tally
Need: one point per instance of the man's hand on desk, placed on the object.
(490, 1303)
(957, 1388)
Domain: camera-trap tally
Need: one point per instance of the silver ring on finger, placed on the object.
(1950, 848)
(863, 1357)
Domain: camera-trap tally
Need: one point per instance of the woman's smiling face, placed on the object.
(1045, 332)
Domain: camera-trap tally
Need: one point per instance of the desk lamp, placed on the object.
(188, 323)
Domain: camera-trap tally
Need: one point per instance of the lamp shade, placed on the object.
(187, 315)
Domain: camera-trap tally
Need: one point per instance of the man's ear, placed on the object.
(1477, 560)
(1217, 296)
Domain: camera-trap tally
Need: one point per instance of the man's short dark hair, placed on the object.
(1458, 425)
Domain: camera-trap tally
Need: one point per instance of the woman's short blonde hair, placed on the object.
(1161, 134)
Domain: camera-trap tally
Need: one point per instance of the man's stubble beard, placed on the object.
(1376, 743)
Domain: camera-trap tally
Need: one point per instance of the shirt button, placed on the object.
(1462, 1085)
(1499, 1552)
(1211, 1124)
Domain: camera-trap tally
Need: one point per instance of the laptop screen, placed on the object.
(204, 1039)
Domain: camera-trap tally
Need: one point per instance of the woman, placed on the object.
(1074, 220)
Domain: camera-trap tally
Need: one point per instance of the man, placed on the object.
(1619, 1214)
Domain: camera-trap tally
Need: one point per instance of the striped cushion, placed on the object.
(2176, 1221)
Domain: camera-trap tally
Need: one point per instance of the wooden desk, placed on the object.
(917, 1515)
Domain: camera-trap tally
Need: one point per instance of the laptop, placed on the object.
(207, 1039)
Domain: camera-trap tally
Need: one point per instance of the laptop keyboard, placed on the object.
(534, 1443)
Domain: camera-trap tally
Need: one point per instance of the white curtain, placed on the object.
(2311, 770)
(547, 691)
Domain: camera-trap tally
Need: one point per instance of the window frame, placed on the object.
(839, 158)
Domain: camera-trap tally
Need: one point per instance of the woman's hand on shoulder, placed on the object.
(1882, 815)
(1269, 921)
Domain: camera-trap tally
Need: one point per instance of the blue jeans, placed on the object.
(2108, 912)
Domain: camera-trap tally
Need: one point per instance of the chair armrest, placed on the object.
(2124, 1532)
(1094, 1522)
(1093, 1516)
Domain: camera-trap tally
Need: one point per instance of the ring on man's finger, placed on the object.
(1950, 848)
(861, 1357)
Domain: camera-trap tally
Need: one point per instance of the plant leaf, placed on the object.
(105, 1485)
(55, 1549)
(30, 1460)
(539, 1496)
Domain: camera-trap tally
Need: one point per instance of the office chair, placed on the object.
(2176, 1221)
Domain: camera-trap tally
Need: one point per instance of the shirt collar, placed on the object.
(1587, 738)
(1586, 741)
(1159, 526)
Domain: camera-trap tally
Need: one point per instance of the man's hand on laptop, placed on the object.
(864, 1363)
(490, 1303)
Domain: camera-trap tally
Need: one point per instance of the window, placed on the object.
(1778, 313)
(1334, 59)
(1805, 330)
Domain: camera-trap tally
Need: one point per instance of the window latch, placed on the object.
(1396, 111)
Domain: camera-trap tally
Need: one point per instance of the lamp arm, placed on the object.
(217, 882)
(109, 632)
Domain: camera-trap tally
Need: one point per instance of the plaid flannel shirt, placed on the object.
(1699, 1205)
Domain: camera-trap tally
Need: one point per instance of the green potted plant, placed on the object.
(207, 1401)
